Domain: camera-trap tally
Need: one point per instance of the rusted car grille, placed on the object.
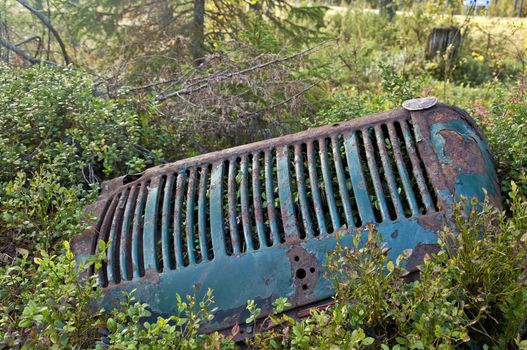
(256, 221)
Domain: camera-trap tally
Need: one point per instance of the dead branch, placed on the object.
(278, 104)
(23, 54)
(223, 75)
(47, 23)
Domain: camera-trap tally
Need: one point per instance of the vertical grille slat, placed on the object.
(358, 181)
(302, 194)
(341, 178)
(233, 215)
(150, 226)
(374, 171)
(126, 238)
(403, 173)
(114, 239)
(285, 194)
(257, 201)
(416, 167)
(202, 219)
(315, 191)
(388, 172)
(166, 237)
(178, 218)
(244, 194)
(269, 192)
(216, 210)
(137, 232)
(328, 184)
(191, 193)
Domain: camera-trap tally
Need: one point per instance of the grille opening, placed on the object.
(260, 199)
(411, 171)
(310, 193)
(105, 233)
(382, 175)
(225, 208)
(237, 207)
(141, 221)
(309, 221)
(277, 205)
(315, 187)
(181, 238)
(116, 244)
(250, 230)
(125, 251)
(326, 187)
(353, 200)
(158, 222)
(333, 182)
(190, 217)
(207, 229)
(429, 185)
(339, 198)
(368, 177)
(169, 214)
(273, 216)
(301, 227)
(406, 211)
(98, 228)
(199, 250)
(179, 208)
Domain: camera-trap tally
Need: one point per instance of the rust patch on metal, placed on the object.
(152, 276)
(464, 154)
(432, 222)
(417, 257)
(305, 272)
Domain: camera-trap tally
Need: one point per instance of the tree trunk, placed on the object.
(443, 41)
(520, 12)
(198, 32)
(388, 9)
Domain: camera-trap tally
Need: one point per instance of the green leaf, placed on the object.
(390, 266)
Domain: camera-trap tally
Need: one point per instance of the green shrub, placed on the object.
(503, 121)
(129, 330)
(36, 212)
(50, 116)
(45, 304)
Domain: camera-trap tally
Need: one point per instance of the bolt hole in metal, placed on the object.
(301, 273)
(297, 258)
(312, 270)
(304, 287)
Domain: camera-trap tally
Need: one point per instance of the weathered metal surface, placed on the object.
(419, 104)
(256, 221)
